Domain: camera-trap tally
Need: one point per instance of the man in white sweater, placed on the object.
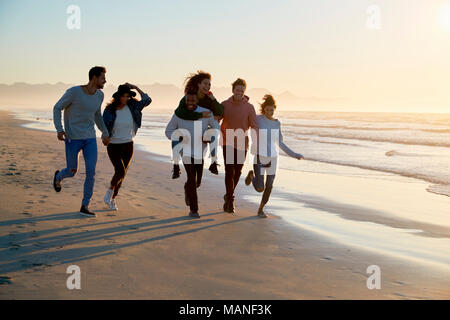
(194, 135)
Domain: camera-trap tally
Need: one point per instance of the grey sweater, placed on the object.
(81, 110)
(193, 133)
(271, 137)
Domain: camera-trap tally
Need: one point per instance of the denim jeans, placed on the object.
(73, 148)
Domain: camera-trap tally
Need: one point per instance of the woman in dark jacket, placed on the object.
(122, 116)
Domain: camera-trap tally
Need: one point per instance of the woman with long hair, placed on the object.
(200, 83)
(266, 155)
(122, 116)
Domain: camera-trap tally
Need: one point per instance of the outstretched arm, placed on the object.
(286, 149)
(186, 114)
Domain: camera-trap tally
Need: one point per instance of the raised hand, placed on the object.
(132, 86)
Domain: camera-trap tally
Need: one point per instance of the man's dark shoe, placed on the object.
(176, 171)
(213, 168)
(249, 178)
(85, 212)
(194, 214)
(186, 198)
(56, 183)
(228, 206)
(225, 205)
(231, 207)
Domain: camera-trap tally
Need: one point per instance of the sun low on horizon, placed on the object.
(363, 55)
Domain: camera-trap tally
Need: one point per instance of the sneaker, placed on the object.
(108, 197)
(194, 214)
(249, 178)
(113, 205)
(56, 183)
(176, 171)
(85, 212)
(213, 168)
(186, 198)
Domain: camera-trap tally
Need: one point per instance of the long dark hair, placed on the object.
(268, 100)
(194, 79)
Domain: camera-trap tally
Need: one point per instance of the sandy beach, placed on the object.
(150, 249)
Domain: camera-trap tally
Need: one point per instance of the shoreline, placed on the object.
(129, 254)
(436, 185)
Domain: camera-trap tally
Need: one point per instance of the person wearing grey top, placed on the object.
(269, 137)
(82, 108)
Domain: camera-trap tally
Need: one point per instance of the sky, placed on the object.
(322, 48)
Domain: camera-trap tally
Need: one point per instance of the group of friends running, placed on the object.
(198, 121)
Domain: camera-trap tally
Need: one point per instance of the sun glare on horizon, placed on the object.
(445, 17)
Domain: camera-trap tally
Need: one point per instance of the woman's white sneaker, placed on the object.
(113, 205)
(108, 197)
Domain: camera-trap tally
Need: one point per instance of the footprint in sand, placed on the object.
(14, 246)
(151, 198)
(5, 280)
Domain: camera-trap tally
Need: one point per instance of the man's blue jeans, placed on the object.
(73, 148)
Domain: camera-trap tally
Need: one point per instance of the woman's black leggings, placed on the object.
(120, 155)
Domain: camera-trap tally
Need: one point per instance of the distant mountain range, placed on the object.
(165, 96)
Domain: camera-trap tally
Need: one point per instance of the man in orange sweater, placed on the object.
(239, 116)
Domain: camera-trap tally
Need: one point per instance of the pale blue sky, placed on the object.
(312, 48)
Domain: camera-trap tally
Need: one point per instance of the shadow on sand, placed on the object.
(45, 248)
